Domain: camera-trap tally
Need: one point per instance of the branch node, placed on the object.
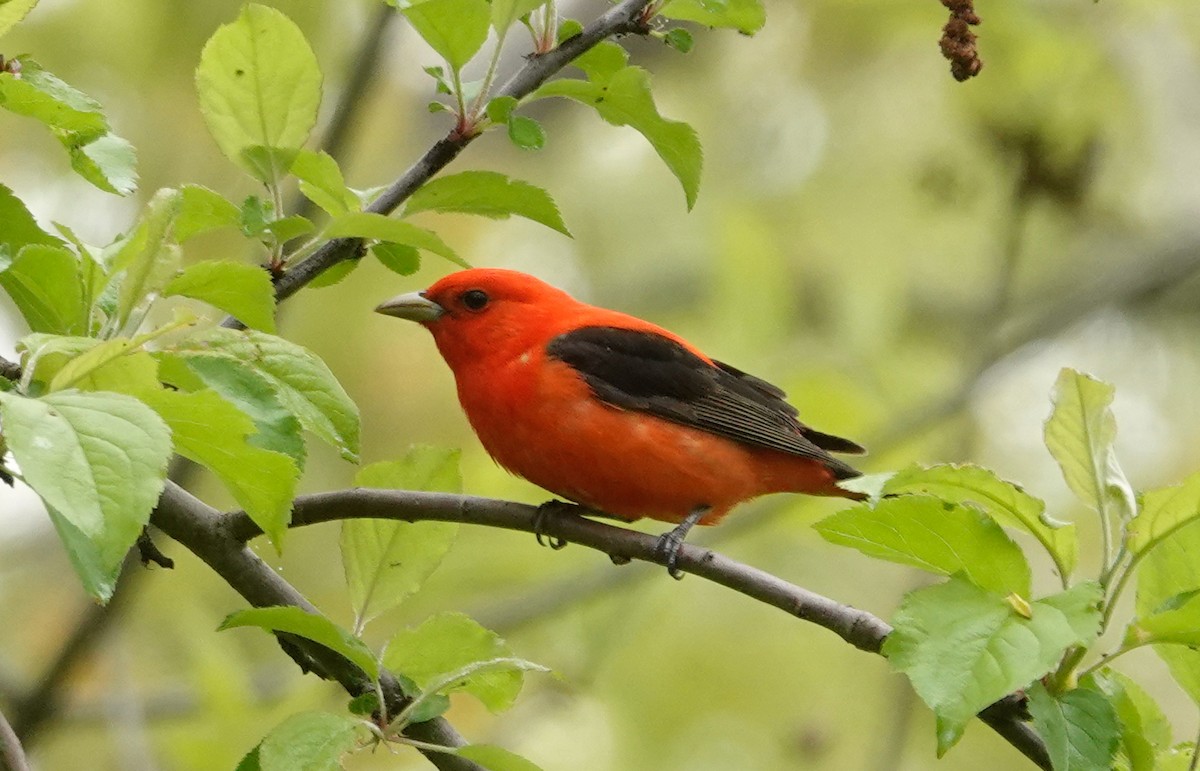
(149, 552)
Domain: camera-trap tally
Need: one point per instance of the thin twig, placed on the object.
(857, 627)
(203, 531)
(12, 756)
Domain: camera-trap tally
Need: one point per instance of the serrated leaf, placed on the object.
(505, 12)
(303, 382)
(13, 11)
(209, 430)
(89, 361)
(20, 228)
(310, 626)
(526, 133)
(1002, 501)
(108, 161)
(746, 16)
(602, 61)
(1163, 512)
(98, 574)
(378, 226)
(321, 182)
(1166, 572)
(963, 647)
(1080, 434)
(202, 210)
(943, 538)
(451, 652)
(98, 459)
(1144, 728)
(40, 95)
(243, 291)
(308, 741)
(277, 428)
(624, 99)
(495, 758)
(455, 29)
(43, 355)
(260, 87)
(145, 259)
(285, 229)
(1079, 727)
(489, 194)
(386, 561)
(1178, 625)
(398, 258)
(44, 283)
(334, 274)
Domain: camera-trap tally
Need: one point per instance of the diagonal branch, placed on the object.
(861, 629)
(203, 531)
(12, 757)
(619, 18)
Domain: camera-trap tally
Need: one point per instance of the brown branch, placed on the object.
(12, 757)
(205, 533)
(9, 370)
(861, 629)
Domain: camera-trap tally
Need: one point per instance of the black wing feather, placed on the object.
(646, 372)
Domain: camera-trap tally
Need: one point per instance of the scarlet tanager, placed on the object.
(613, 412)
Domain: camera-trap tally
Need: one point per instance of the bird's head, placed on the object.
(483, 313)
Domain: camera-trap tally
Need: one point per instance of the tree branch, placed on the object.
(12, 757)
(536, 71)
(205, 533)
(861, 629)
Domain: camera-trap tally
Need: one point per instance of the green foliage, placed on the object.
(496, 758)
(12, 11)
(260, 88)
(455, 29)
(746, 16)
(313, 741)
(968, 642)
(489, 194)
(310, 626)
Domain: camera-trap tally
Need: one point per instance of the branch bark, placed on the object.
(12, 757)
(861, 629)
(204, 531)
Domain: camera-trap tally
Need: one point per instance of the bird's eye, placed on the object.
(475, 299)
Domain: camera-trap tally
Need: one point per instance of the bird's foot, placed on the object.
(671, 542)
(545, 512)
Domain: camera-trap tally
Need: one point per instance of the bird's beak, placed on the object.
(414, 306)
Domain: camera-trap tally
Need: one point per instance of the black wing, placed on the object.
(645, 372)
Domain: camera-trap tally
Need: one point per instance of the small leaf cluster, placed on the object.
(386, 561)
(982, 634)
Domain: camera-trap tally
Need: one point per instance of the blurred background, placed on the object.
(911, 258)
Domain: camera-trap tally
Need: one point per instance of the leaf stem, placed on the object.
(1195, 755)
(493, 65)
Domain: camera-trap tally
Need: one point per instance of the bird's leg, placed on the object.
(670, 542)
(544, 512)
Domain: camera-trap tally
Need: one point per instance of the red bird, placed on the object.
(613, 412)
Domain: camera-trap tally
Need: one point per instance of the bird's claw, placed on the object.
(667, 549)
(544, 512)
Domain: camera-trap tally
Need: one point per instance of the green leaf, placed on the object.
(308, 741)
(451, 652)
(98, 459)
(311, 626)
(398, 258)
(12, 11)
(91, 360)
(144, 260)
(386, 561)
(202, 210)
(334, 273)
(679, 39)
(1163, 512)
(260, 88)
(1177, 625)
(303, 383)
(1080, 434)
(963, 647)
(97, 573)
(321, 182)
(624, 99)
(455, 29)
(1167, 572)
(496, 758)
(944, 538)
(489, 194)
(602, 61)
(526, 133)
(250, 761)
(378, 226)
(109, 162)
(44, 283)
(746, 16)
(40, 95)
(243, 291)
(505, 12)
(20, 228)
(1079, 727)
(499, 109)
(212, 432)
(277, 428)
(1144, 728)
(1002, 501)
